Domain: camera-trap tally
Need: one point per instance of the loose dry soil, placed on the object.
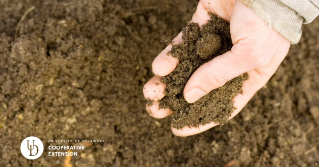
(76, 71)
(200, 45)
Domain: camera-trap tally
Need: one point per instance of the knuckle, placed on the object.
(257, 58)
(215, 77)
(259, 61)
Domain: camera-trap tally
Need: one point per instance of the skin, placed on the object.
(258, 50)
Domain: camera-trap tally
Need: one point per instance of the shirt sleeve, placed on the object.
(285, 16)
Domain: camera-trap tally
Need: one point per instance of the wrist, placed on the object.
(285, 16)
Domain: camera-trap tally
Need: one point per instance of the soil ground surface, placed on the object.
(73, 70)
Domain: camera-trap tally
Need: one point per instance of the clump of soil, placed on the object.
(149, 102)
(199, 46)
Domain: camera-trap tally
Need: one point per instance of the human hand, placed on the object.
(257, 49)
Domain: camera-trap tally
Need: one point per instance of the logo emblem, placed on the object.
(31, 147)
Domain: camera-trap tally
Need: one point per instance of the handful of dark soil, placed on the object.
(199, 46)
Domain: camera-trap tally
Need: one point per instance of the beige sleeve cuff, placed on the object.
(285, 16)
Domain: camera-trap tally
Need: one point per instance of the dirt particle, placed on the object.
(149, 102)
(158, 124)
(20, 116)
(315, 114)
(232, 164)
(51, 81)
(170, 153)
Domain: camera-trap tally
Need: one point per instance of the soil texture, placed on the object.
(200, 45)
(75, 70)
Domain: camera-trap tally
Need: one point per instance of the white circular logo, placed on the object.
(31, 147)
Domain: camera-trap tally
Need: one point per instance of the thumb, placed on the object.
(218, 71)
(255, 43)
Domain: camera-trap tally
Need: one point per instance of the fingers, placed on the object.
(165, 63)
(154, 89)
(156, 112)
(201, 14)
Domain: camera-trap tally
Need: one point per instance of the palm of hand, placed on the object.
(258, 50)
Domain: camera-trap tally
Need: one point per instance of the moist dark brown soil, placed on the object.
(77, 69)
(199, 46)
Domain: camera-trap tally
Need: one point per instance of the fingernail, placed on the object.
(194, 94)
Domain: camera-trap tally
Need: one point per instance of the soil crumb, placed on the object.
(149, 102)
(200, 45)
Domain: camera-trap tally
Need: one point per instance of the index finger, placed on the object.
(165, 63)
